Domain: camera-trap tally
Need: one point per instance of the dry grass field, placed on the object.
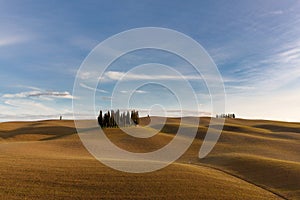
(254, 159)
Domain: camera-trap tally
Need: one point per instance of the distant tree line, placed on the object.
(113, 118)
(226, 116)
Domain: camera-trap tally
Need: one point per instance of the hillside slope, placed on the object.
(252, 160)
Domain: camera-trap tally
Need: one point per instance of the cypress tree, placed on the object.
(100, 119)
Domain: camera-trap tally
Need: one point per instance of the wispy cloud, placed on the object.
(106, 98)
(266, 69)
(25, 104)
(129, 76)
(278, 68)
(116, 75)
(276, 12)
(64, 95)
(11, 40)
(93, 89)
(29, 87)
(29, 109)
(272, 13)
(135, 91)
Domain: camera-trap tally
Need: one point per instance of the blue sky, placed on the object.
(255, 44)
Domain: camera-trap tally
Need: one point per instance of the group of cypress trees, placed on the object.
(113, 118)
(226, 116)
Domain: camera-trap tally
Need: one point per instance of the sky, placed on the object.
(254, 44)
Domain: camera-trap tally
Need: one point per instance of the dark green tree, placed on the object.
(135, 117)
(100, 119)
(117, 118)
(128, 120)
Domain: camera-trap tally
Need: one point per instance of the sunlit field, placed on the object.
(253, 159)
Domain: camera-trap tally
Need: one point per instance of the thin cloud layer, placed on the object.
(115, 75)
(54, 94)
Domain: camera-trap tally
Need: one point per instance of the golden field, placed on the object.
(253, 159)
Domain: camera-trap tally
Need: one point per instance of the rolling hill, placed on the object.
(254, 159)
